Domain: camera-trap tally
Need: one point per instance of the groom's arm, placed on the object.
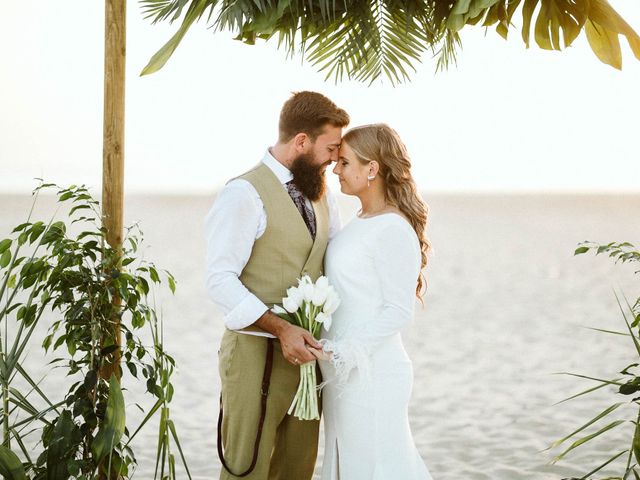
(294, 340)
(232, 227)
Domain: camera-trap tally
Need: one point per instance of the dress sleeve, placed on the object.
(396, 258)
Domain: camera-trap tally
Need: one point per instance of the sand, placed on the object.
(506, 307)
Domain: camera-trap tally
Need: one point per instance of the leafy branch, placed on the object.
(72, 278)
(627, 385)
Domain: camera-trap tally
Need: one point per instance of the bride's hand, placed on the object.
(320, 354)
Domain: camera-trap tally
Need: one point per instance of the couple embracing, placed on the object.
(277, 223)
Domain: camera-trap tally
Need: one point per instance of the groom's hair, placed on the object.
(309, 112)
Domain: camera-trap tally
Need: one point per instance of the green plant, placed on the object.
(77, 279)
(626, 385)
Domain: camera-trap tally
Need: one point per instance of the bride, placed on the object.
(375, 265)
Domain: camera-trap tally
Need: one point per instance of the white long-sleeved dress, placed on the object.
(373, 263)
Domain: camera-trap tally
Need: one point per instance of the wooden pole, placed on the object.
(113, 142)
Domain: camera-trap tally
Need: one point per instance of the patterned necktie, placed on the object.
(307, 213)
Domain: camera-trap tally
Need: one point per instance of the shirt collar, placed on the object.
(281, 172)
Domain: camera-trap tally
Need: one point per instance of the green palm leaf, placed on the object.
(113, 425)
(553, 20)
(584, 440)
(598, 417)
(362, 40)
(365, 40)
(196, 9)
(163, 9)
(601, 466)
(10, 466)
(585, 392)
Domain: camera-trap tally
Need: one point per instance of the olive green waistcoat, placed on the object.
(286, 250)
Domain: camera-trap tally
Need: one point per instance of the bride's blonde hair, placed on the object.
(380, 143)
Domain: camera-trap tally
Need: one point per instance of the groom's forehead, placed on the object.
(331, 135)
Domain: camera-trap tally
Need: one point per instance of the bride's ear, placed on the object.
(374, 168)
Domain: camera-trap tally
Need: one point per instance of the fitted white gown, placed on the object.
(373, 263)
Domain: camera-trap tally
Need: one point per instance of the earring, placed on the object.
(369, 178)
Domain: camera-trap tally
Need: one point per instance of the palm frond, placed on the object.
(161, 10)
(366, 40)
(446, 55)
(556, 23)
(195, 11)
(362, 40)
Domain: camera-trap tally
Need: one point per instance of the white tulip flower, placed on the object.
(320, 295)
(332, 303)
(296, 295)
(305, 280)
(322, 282)
(278, 310)
(324, 319)
(290, 305)
(307, 290)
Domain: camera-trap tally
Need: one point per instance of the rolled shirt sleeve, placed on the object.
(232, 226)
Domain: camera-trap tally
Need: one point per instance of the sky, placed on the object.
(504, 119)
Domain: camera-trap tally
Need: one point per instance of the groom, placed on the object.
(267, 228)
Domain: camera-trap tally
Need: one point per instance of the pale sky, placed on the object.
(505, 118)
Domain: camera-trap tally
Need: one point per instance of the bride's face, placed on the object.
(351, 172)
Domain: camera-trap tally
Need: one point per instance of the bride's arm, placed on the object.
(396, 257)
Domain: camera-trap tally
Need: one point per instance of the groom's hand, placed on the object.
(294, 339)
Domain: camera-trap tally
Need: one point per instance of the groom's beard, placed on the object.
(309, 178)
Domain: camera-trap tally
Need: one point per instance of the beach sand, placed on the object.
(505, 309)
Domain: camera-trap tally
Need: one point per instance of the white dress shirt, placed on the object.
(236, 220)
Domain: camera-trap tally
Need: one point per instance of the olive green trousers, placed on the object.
(288, 447)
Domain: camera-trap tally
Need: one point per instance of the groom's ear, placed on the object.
(301, 142)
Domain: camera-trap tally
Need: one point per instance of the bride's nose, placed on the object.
(336, 168)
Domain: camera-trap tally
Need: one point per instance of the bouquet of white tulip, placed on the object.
(310, 306)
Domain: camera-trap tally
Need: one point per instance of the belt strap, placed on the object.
(264, 391)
